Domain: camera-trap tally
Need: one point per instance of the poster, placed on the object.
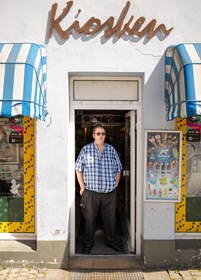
(163, 165)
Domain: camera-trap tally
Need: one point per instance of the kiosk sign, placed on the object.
(131, 27)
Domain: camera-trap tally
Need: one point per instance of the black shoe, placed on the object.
(115, 246)
(86, 250)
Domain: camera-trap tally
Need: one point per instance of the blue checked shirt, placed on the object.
(99, 171)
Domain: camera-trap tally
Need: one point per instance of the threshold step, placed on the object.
(99, 262)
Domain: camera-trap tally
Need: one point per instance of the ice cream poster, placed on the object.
(163, 165)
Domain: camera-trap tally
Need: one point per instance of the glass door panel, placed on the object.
(129, 174)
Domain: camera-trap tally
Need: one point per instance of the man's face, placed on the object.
(99, 135)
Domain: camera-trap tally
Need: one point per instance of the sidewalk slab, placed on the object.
(53, 274)
(186, 275)
(156, 275)
(196, 274)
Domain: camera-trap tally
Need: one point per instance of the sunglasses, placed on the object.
(100, 133)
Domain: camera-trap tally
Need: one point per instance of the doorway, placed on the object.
(120, 128)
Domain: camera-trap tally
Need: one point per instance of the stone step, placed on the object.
(109, 262)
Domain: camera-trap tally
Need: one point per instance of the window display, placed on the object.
(11, 169)
(193, 169)
(187, 212)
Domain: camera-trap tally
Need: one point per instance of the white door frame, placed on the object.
(131, 225)
(104, 105)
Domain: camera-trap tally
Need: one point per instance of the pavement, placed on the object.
(102, 274)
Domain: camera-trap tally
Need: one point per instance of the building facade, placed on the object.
(124, 64)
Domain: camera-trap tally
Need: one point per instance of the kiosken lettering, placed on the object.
(132, 27)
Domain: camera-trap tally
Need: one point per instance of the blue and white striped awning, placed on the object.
(23, 80)
(183, 80)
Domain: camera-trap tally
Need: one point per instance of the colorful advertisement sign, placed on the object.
(163, 165)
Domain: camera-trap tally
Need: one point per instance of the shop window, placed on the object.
(16, 174)
(188, 211)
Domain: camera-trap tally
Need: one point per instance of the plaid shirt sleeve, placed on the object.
(80, 162)
(118, 166)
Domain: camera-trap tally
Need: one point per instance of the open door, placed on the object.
(129, 174)
(120, 127)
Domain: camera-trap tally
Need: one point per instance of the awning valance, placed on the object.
(23, 80)
(183, 80)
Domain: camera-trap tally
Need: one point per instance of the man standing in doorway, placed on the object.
(98, 170)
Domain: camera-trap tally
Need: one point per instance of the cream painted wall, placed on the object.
(26, 21)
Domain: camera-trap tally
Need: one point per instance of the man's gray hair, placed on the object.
(98, 125)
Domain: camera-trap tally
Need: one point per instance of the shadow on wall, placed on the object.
(154, 107)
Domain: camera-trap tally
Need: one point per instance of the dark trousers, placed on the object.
(91, 202)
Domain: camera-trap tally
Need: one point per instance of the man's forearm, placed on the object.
(80, 181)
(118, 176)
